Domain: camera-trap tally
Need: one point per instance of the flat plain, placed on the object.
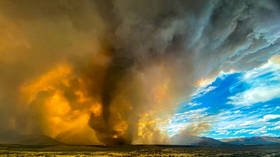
(137, 150)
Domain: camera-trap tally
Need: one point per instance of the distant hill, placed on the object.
(196, 141)
(206, 141)
(261, 140)
(8, 137)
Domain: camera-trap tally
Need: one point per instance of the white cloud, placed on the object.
(241, 131)
(222, 131)
(203, 90)
(239, 122)
(269, 117)
(247, 123)
(231, 122)
(243, 119)
(276, 128)
(264, 85)
(255, 95)
(259, 131)
(190, 113)
(182, 120)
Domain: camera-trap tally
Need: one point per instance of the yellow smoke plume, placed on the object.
(59, 118)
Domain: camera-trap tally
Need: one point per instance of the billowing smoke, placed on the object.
(112, 72)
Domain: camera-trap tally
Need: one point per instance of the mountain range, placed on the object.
(257, 140)
(8, 137)
(23, 139)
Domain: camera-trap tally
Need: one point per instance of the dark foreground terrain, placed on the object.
(138, 150)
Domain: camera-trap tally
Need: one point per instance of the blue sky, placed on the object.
(238, 104)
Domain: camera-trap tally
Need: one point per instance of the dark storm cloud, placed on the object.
(133, 57)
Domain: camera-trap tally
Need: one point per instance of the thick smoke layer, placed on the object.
(112, 72)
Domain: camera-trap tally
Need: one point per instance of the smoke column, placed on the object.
(113, 72)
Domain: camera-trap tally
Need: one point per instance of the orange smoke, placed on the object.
(48, 81)
(61, 118)
(66, 111)
(149, 132)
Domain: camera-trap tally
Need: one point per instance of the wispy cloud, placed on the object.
(203, 90)
(180, 121)
(269, 117)
(264, 86)
(259, 131)
(237, 104)
(255, 95)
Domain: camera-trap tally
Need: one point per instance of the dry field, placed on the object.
(141, 150)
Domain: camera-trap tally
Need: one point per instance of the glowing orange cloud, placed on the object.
(60, 120)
